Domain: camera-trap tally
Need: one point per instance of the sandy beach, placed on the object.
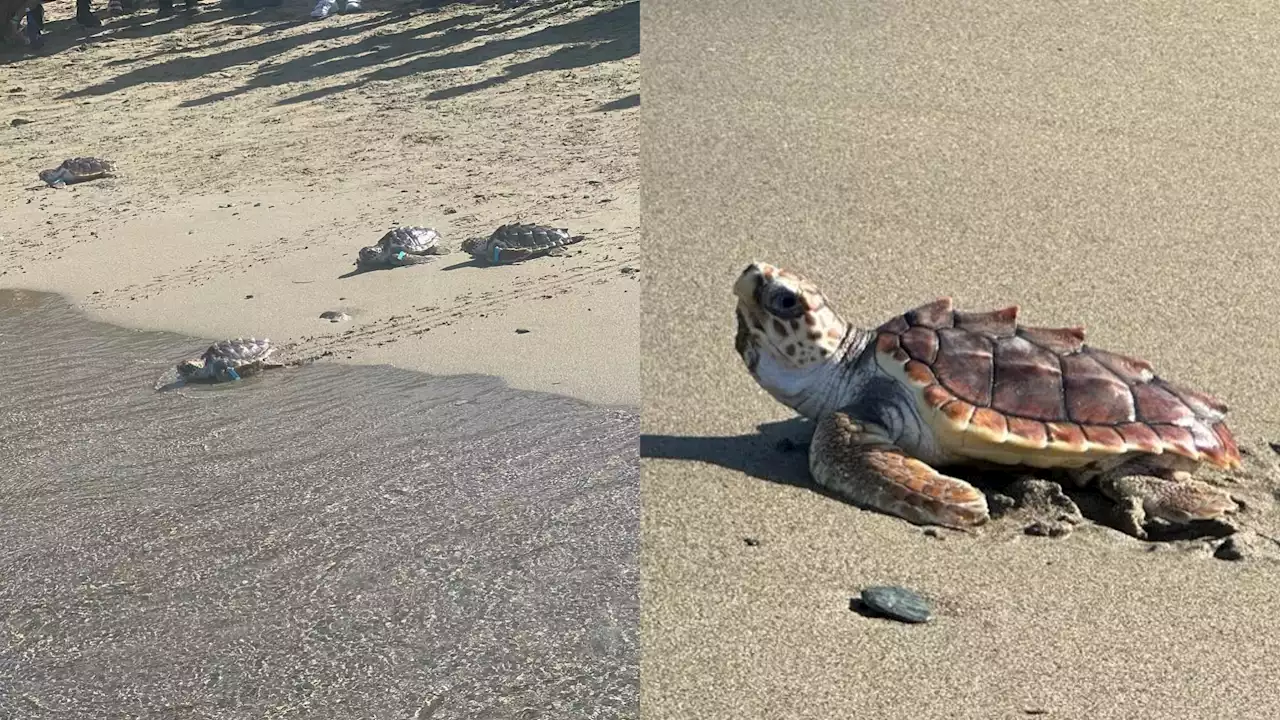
(1111, 168)
(258, 150)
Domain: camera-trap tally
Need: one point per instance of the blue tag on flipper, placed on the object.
(232, 372)
(400, 255)
(496, 250)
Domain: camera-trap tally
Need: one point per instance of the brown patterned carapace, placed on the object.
(1041, 386)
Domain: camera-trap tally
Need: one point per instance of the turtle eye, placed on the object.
(784, 303)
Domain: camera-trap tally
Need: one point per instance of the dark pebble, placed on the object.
(897, 603)
(1229, 549)
(522, 331)
(751, 542)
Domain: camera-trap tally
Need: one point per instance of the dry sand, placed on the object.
(1112, 167)
(259, 150)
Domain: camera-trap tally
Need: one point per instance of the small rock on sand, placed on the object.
(334, 316)
(897, 603)
(1231, 549)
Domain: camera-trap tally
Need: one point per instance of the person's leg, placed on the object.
(35, 23)
(323, 9)
(85, 16)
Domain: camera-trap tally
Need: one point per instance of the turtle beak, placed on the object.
(749, 283)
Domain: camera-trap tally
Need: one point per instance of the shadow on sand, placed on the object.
(400, 48)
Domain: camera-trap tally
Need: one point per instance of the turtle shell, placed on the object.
(78, 169)
(239, 352)
(520, 241)
(415, 240)
(86, 167)
(1044, 389)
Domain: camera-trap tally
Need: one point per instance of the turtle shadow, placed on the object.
(358, 270)
(470, 262)
(779, 453)
(774, 454)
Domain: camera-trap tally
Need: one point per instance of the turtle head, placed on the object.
(787, 332)
(473, 245)
(368, 256)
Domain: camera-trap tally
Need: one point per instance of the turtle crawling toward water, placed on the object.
(228, 360)
(517, 242)
(937, 387)
(79, 169)
(401, 246)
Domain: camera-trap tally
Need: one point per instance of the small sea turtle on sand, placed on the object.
(230, 360)
(75, 170)
(401, 246)
(517, 242)
(936, 387)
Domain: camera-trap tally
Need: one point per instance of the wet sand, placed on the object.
(1110, 168)
(324, 542)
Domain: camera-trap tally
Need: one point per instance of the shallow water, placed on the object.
(326, 541)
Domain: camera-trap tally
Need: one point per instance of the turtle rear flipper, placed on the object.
(1140, 497)
(867, 469)
(562, 249)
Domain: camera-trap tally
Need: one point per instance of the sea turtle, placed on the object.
(229, 360)
(401, 246)
(937, 387)
(79, 169)
(517, 242)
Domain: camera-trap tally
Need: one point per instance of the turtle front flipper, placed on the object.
(402, 258)
(867, 469)
(508, 256)
(1177, 501)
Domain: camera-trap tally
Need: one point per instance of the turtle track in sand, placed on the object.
(240, 259)
(422, 319)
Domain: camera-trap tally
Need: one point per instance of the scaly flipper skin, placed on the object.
(1174, 498)
(866, 468)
